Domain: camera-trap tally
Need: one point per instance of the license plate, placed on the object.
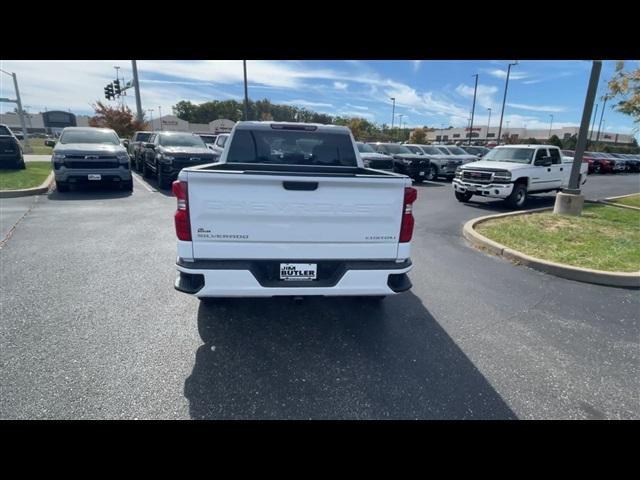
(94, 176)
(298, 271)
(472, 188)
(422, 174)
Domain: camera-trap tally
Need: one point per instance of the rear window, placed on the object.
(8, 145)
(143, 137)
(284, 147)
(4, 130)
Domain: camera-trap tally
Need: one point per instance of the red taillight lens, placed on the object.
(183, 225)
(406, 228)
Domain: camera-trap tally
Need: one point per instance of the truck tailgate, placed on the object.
(280, 216)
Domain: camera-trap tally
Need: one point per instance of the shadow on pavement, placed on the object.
(153, 183)
(89, 192)
(500, 206)
(332, 358)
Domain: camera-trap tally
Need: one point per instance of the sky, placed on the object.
(428, 93)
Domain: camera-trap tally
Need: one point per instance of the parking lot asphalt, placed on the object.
(92, 327)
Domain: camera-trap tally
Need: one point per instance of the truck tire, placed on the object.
(432, 174)
(518, 197)
(163, 182)
(127, 186)
(463, 197)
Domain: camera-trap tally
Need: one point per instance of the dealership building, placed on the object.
(481, 134)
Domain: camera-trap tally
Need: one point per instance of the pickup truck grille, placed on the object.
(476, 176)
(90, 164)
(381, 164)
(93, 157)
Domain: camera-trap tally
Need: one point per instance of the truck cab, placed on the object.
(512, 172)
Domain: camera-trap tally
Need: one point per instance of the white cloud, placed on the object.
(537, 108)
(340, 85)
(305, 103)
(416, 65)
(359, 107)
(498, 73)
(484, 96)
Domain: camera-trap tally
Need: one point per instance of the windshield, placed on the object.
(4, 130)
(444, 151)
(457, 151)
(89, 136)
(515, 155)
(431, 151)
(397, 149)
(286, 147)
(365, 148)
(417, 150)
(178, 140)
(143, 137)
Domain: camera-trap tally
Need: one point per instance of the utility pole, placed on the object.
(246, 94)
(550, 125)
(504, 99)
(151, 115)
(136, 86)
(488, 123)
(570, 201)
(593, 124)
(473, 108)
(401, 115)
(393, 113)
(160, 116)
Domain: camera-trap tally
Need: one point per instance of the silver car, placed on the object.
(442, 165)
(86, 155)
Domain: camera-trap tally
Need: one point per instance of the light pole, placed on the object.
(393, 112)
(473, 108)
(504, 99)
(569, 201)
(136, 87)
(18, 101)
(246, 94)
(601, 115)
(401, 115)
(160, 116)
(488, 123)
(117, 67)
(150, 110)
(593, 123)
(550, 125)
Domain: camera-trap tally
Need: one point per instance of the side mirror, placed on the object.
(50, 143)
(543, 162)
(125, 143)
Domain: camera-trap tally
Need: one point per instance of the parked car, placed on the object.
(440, 164)
(633, 162)
(218, 146)
(135, 148)
(372, 159)
(166, 153)
(11, 155)
(457, 152)
(597, 162)
(306, 222)
(90, 155)
(209, 139)
(513, 172)
(475, 150)
(617, 165)
(404, 161)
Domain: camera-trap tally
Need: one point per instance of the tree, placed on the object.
(120, 119)
(570, 143)
(555, 140)
(625, 86)
(418, 136)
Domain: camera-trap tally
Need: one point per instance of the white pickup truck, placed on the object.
(512, 172)
(289, 210)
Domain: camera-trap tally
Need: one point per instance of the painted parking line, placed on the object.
(143, 183)
(433, 183)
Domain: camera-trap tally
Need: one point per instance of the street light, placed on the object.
(506, 86)
(401, 115)
(550, 124)
(150, 110)
(393, 112)
(488, 123)
(160, 116)
(18, 101)
(473, 108)
(246, 94)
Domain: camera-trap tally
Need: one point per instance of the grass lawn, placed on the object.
(32, 176)
(603, 238)
(38, 146)
(633, 201)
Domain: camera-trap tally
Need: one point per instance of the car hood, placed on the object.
(496, 165)
(187, 150)
(89, 148)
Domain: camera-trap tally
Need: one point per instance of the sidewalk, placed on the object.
(37, 158)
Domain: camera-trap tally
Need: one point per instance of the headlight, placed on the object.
(123, 157)
(169, 160)
(407, 161)
(366, 163)
(502, 176)
(58, 157)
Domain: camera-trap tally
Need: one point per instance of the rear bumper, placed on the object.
(242, 279)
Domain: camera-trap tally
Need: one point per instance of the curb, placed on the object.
(608, 201)
(43, 188)
(599, 277)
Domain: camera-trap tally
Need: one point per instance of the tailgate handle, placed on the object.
(309, 186)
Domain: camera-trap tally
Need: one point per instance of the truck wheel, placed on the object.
(145, 170)
(163, 182)
(463, 197)
(596, 169)
(432, 174)
(127, 186)
(518, 196)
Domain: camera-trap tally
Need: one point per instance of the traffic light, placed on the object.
(116, 86)
(108, 92)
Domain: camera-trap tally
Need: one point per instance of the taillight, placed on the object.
(183, 225)
(406, 228)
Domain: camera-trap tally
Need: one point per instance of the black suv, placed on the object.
(166, 153)
(404, 160)
(10, 150)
